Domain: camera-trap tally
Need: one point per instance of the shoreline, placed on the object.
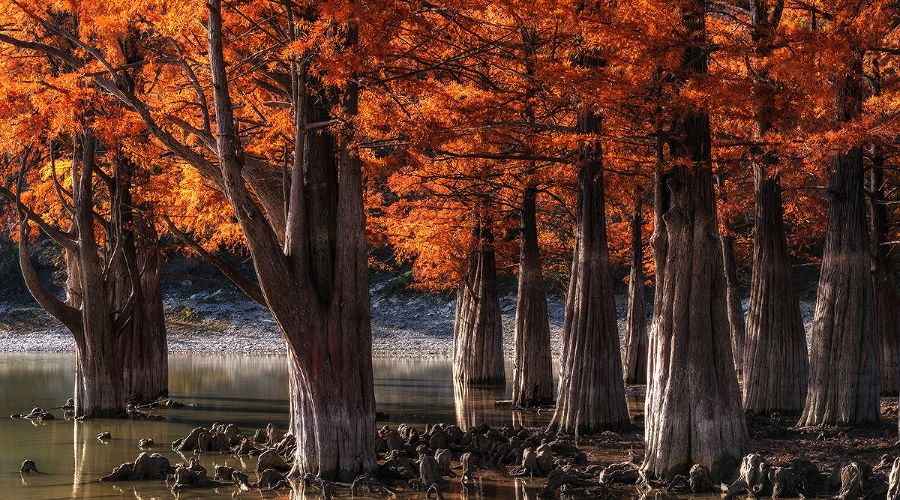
(202, 341)
(407, 325)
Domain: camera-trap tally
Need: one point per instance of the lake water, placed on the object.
(249, 391)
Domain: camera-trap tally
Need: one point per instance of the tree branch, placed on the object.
(246, 285)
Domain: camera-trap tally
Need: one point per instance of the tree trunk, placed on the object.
(636, 335)
(532, 373)
(591, 395)
(733, 303)
(776, 362)
(315, 284)
(142, 339)
(843, 370)
(843, 381)
(330, 351)
(100, 387)
(98, 378)
(98, 375)
(331, 396)
(331, 386)
(776, 359)
(477, 326)
(693, 404)
(141, 342)
(145, 368)
(887, 311)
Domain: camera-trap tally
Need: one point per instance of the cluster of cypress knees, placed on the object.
(430, 460)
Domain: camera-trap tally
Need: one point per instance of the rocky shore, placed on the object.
(404, 324)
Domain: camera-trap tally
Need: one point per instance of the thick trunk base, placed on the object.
(532, 374)
(477, 327)
(332, 416)
(693, 407)
(145, 369)
(843, 382)
(591, 394)
(98, 385)
(776, 362)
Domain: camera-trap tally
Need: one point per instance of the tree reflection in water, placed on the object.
(476, 405)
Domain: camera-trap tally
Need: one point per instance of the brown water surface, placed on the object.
(249, 391)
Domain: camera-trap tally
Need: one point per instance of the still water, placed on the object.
(249, 391)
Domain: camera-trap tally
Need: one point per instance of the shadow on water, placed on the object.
(249, 391)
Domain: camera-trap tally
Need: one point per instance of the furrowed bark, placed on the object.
(843, 381)
(331, 383)
(693, 406)
(145, 366)
(736, 324)
(591, 395)
(532, 373)
(477, 325)
(734, 306)
(316, 285)
(887, 311)
(636, 335)
(776, 362)
(98, 361)
(843, 378)
(142, 337)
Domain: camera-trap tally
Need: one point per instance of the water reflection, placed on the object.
(476, 405)
(80, 450)
(524, 490)
(247, 390)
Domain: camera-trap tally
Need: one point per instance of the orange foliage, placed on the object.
(463, 105)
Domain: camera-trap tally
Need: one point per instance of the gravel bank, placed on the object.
(404, 324)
